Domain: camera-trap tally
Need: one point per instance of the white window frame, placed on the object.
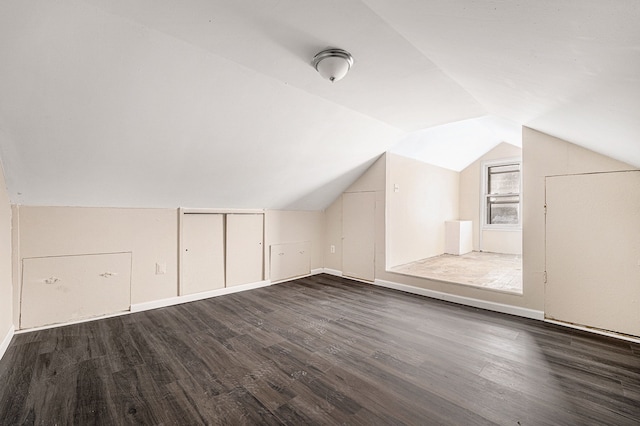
(483, 195)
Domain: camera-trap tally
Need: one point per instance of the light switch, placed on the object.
(332, 248)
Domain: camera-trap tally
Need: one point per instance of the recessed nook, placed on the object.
(454, 205)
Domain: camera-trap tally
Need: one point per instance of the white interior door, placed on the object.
(202, 253)
(358, 235)
(593, 250)
(244, 248)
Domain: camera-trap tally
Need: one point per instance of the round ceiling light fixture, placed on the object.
(333, 64)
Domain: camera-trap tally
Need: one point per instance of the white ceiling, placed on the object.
(455, 146)
(204, 103)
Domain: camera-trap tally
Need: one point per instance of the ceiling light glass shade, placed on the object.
(333, 64)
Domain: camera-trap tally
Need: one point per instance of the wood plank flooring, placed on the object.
(319, 350)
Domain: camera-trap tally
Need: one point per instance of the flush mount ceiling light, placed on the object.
(333, 64)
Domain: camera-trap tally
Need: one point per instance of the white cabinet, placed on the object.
(244, 251)
(290, 260)
(202, 253)
(60, 289)
(458, 237)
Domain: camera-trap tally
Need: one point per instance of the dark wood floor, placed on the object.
(319, 350)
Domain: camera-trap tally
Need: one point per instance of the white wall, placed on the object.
(372, 180)
(496, 241)
(593, 248)
(150, 234)
(6, 289)
(333, 235)
(427, 196)
(545, 155)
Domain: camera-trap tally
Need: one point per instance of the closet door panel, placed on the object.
(202, 253)
(244, 249)
(290, 260)
(61, 289)
(358, 235)
(593, 250)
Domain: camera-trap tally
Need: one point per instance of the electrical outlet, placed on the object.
(332, 248)
(161, 268)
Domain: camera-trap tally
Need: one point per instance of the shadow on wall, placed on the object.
(336, 186)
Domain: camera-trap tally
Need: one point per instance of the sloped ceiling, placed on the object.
(204, 103)
(455, 146)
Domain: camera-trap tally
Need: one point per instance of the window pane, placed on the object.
(504, 168)
(504, 179)
(503, 210)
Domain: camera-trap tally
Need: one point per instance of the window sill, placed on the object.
(502, 228)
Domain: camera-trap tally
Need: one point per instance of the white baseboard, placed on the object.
(139, 307)
(595, 330)
(311, 273)
(6, 341)
(145, 306)
(78, 321)
(332, 272)
(469, 301)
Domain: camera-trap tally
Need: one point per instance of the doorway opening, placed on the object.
(483, 203)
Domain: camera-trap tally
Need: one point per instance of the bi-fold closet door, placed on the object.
(220, 250)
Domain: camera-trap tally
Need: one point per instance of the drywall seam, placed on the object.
(468, 301)
(6, 341)
(145, 306)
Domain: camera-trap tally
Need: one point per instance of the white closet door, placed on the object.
(202, 253)
(290, 260)
(244, 248)
(593, 250)
(60, 289)
(358, 235)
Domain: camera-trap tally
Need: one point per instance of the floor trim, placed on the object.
(78, 321)
(469, 301)
(6, 341)
(595, 331)
(145, 306)
(333, 272)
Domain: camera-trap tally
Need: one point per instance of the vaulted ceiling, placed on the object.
(210, 103)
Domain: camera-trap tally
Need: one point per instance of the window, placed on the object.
(502, 194)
